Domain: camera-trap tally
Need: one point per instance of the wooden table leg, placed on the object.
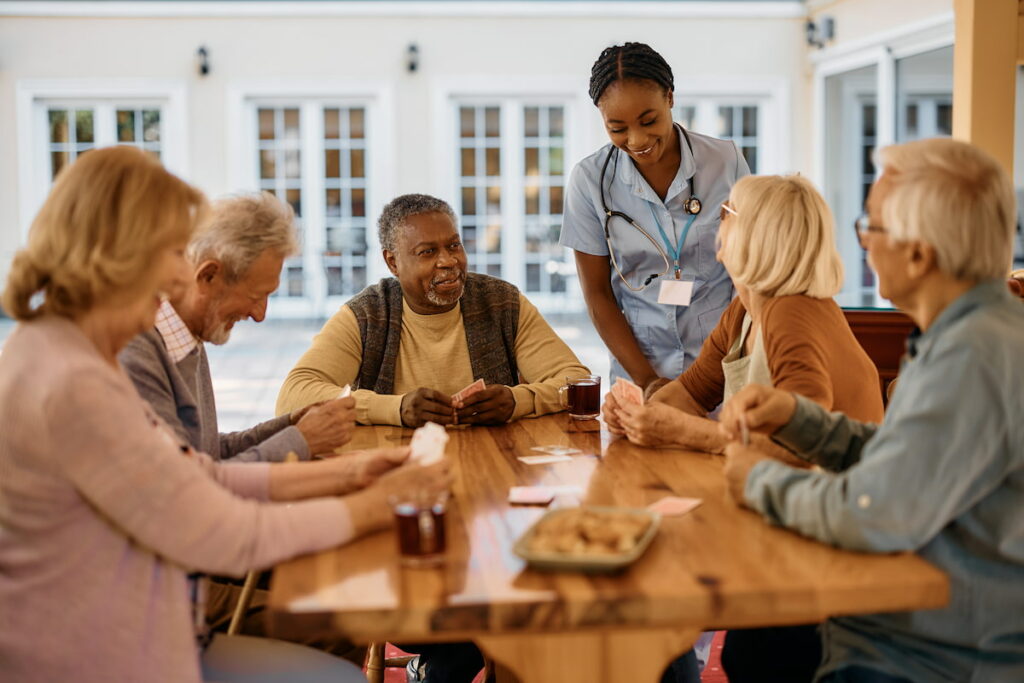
(639, 655)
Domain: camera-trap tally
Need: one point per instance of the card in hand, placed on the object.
(625, 391)
(470, 390)
(428, 442)
(673, 506)
(346, 391)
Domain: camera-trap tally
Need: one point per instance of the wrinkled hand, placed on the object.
(297, 415)
(328, 425)
(610, 412)
(412, 479)
(654, 385)
(368, 466)
(652, 424)
(427, 405)
(494, 405)
(766, 409)
(739, 460)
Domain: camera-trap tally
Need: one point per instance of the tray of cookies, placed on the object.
(588, 539)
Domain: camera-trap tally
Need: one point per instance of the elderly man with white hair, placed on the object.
(236, 262)
(943, 475)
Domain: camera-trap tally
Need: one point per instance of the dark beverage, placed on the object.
(584, 398)
(421, 532)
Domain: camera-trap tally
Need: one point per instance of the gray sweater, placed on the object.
(182, 395)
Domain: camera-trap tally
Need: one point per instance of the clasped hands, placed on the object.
(491, 405)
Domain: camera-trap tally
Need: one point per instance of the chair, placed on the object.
(376, 662)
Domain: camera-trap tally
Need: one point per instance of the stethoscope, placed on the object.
(691, 206)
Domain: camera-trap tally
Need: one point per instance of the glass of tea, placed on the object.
(420, 527)
(581, 396)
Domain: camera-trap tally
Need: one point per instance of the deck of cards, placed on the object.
(428, 442)
(469, 391)
(625, 391)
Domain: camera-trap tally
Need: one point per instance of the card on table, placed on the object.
(540, 495)
(468, 391)
(625, 391)
(556, 450)
(428, 444)
(542, 459)
(674, 506)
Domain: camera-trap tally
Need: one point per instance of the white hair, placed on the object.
(956, 198)
(241, 228)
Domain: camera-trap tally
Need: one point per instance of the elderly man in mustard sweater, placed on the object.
(409, 343)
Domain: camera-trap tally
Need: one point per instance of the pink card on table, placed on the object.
(469, 391)
(673, 506)
(540, 495)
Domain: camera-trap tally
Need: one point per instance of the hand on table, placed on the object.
(652, 424)
(494, 405)
(610, 412)
(739, 460)
(427, 405)
(764, 408)
(368, 466)
(327, 425)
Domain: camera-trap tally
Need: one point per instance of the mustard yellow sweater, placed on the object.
(432, 353)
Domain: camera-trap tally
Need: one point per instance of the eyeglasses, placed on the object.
(726, 212)
(862, 226)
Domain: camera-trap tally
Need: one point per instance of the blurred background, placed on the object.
(337, 107)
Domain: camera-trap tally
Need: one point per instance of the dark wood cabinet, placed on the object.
(883, 334)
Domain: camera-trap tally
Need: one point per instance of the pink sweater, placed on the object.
(102, 517)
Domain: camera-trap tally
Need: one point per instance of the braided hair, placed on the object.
(634, 61)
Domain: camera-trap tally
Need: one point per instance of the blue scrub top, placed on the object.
(669, 336)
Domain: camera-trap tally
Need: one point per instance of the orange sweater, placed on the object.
(811, 351)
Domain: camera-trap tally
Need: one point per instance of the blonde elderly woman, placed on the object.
(106, 517)
(943, 476)
(783, 329)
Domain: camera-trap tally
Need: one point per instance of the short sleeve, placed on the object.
(582, 224)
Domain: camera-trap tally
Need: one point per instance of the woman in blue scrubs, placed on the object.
(641, 214)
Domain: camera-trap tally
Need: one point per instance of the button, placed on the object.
(864, 501)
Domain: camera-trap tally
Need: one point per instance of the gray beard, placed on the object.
(438, 300)
(219, 335)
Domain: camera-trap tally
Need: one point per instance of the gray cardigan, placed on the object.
(182, 395)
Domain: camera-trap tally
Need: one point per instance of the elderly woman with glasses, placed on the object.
(108, 520)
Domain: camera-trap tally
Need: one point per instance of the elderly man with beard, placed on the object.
(409, 343)
(236, 263)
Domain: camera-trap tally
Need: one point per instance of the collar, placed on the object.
(178, 339)
(632, 178)
(984, 293)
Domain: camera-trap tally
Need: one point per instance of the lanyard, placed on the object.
(675, 250)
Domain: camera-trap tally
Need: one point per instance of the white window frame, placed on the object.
(34, 97)
(244, 97)
(511, 94)
(881, 50)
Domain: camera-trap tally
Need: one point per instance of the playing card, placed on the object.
(428, 444)
(469, 391)
(744, 430)
(556, 450)
(540, 495)
(673, 506)
(542, 459)
(627, 392)
(346, 391)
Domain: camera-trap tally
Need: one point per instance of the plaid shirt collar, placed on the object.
(177, 337)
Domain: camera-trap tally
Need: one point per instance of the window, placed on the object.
(510, 175)
(315, 155)
(76, 127)
(738, 120)
(924, 95)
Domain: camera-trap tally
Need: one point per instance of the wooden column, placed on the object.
(985, 55)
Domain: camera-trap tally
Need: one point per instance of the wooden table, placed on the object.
(717, 567)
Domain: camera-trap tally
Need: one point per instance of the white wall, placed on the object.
(498, 49)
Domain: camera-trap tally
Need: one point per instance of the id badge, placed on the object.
(675, 292)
